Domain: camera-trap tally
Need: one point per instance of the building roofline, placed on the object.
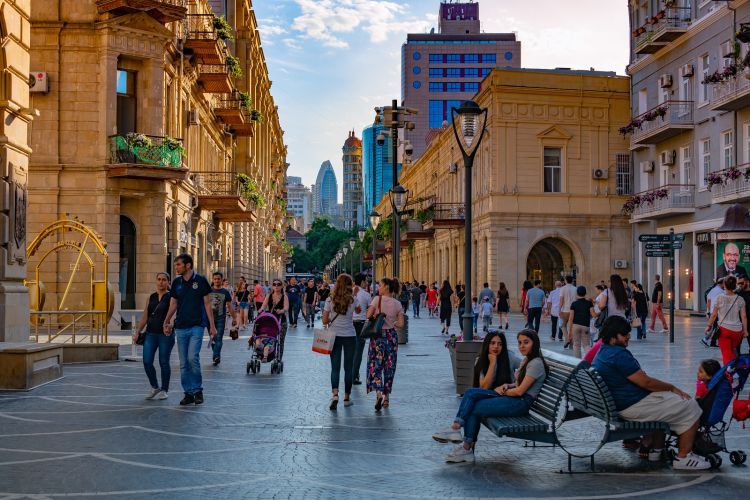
(503, 37)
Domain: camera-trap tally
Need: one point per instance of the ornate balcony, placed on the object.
(668, 25)
(661, 202)
(734, 186)
(214, 78)
(246, 128)
(164, 11)
(666, 120)
(230, 108)
(445, 215)
(731, 94)
(414, 230)
(141, 156)
(221, 193)
(204, 39)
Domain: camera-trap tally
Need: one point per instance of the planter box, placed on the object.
(24, 366)
(463, 357)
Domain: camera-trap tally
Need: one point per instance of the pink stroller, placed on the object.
(267, 344)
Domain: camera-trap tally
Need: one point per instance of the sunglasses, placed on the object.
(277, 284)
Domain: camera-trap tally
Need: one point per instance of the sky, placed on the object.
(333, 61)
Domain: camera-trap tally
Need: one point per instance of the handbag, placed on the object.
(373, 329)
(636, 323)
(324, 338)
(603, 315)
(141, 338)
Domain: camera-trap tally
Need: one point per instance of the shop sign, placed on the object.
(703, 238)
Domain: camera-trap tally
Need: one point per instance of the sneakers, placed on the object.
(162, 395)
(153, 393)
(650, 330)
(187, 400)
(704, 341)
(655, 455)
(460, 455)
(690, 462)
(217, 361)
(357, 381)
(199, 398)
(449, 435)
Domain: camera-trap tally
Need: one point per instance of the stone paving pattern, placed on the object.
(272, 436)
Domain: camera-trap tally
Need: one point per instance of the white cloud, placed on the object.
(292, 43)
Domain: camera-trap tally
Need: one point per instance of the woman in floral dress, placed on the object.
(381, 358)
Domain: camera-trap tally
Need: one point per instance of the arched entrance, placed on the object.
(549, 260)
(127, 263)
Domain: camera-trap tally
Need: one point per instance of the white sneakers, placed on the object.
(460, 455)
(162, 395)
(690, 462)
(153, 393)
(157, 394)
(449, 435)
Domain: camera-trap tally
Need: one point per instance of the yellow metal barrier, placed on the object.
(74, 326)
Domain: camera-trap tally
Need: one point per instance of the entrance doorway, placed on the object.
(127, 263)
(549, 260)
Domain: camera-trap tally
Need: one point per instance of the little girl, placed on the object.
(475, 311)
(706, 371)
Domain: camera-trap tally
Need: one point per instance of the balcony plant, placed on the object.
(288, 249)
(174, 144)
(661, 193)
(631, 204)
(425, 214)
(246, 101)
(233, 65)
(661, 14)
(743, 35)
(732, 173)
(136, 140)
(670, 3)
(713, 179)
(256, 116)
(223, 29)
(249, 190)
(719, 76)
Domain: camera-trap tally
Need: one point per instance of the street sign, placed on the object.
(677, 245)
(659, 246)
(653, 237)
(658, 253)
(679, 237)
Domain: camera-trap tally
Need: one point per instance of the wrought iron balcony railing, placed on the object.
(662, 122)
(662, 201)
(734, 185)
(668, 25)
(146, 150)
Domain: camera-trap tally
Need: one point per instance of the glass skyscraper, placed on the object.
(326, 190)
(377, 168)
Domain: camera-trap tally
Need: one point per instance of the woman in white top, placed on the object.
(337, 315)
(730, 311)
(615, 298)
(381, 366)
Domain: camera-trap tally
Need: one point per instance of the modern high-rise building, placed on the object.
(377, 167)
(325, 191)
(441, 70)
(352, 158)
(299, 202)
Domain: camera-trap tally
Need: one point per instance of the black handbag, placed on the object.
(141, 338)
(603, 314)
(373, 329)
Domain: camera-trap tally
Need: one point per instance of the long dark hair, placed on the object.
(618, 290)
(527, 285)
(446, 291)
(503, 289)
(503, 374)
(536, 352)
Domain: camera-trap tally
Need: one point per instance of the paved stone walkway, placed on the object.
(272, 436)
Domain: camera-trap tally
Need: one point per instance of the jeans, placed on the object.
(460, 318)
(218, 340)
(535, 317)
(469, 401)
(189, 342)
(310, 314)
(476, 320)
(294, 306)
(348, 344)
(164, 343)
(359, 350)
(642, 329)
(486, 322)
(495, 406)
(415, 307)
(555, 332)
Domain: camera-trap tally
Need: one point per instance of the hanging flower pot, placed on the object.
(660, 15)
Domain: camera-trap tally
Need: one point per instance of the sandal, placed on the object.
(378, 403)
(334, 402)
(347, 401)
(386, 403)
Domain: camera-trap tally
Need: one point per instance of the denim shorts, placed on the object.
(245, 305)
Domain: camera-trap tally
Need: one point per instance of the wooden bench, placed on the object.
(571, 391)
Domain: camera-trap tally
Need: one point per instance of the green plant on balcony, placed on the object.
(223, 29)
(174, 145)
(233, 65)
(246, 102)
(288, 249)
(282, 204)
(136, 140)
(277, 234)
(141, 149)
(249, 190)
(273, 185)
(256, 116)
(425, 214)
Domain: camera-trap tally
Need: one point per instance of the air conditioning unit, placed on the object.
(600, 173)
(647, 166)
(38, 82)
(667, 158)
(686, 70)
(727, 49)
(621, 264)
(665, 81)
(453, 168)
(194, 117)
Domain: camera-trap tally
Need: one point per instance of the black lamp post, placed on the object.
(398, 201)
(352, 244)
(374, 223)
(473, 121)
(361, 234)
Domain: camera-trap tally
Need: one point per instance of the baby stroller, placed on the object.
(267, 344)
(723, 388)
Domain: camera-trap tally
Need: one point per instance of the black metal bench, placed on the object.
(572, 391)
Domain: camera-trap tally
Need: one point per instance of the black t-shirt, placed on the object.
(423, 288)
(310, 292)
(157, 312)
(243, 296)
(218, 298)
(189, 295)
(461, 295)
(655, 295)
(416, 293)
(581, 309)
(323, 293)
(641, 303)
(293, 293)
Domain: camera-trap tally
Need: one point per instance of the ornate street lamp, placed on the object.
(344, 249)
(374, 223)
(472, 121)
(361, 234)
(398, 197)
(352, 243)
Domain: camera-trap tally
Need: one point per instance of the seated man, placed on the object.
(640, 398)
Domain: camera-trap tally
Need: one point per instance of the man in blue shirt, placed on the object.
(640, 398)
(294, 295)
(189, 299)
(534, 303)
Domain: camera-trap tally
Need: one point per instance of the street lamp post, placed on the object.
(398, 202)
(472, 132)
(352, 244)
(345, 250)
(374, 222)
(361, 235)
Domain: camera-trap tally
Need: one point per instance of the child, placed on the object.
(706, 371)
(475, 310)
(581, 311)
(486, 314)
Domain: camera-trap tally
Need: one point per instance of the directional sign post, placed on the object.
(664, 245)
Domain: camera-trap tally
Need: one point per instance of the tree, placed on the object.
(323, 241)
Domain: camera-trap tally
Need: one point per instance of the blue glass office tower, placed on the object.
(377, 168)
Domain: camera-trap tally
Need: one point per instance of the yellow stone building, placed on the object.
(548, 186)
(157, 128)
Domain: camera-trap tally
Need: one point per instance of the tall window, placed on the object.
(747, 143)
(436, 114)
(704, 90)
(126, 101)
(727, 149)
(685, 94)
(552, 170)
(624, 174)
(705, 152)
(686, 165)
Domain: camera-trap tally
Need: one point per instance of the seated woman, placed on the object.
(512, 400)
(494, 367)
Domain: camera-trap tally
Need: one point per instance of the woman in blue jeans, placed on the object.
(506, 400)
(153, 320)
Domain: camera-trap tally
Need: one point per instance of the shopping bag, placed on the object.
(323, 339)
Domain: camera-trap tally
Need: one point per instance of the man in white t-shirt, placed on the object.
(553, 309)
(717, 290)
(361, 302)
(568, 295)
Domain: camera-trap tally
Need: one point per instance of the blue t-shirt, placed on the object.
(615, 364)
(536, 297)
(189, 295)
(293, 293)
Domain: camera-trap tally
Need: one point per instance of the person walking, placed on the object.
(432, 300)
(242, 297)
(189, 299)
(383, 351)
(581, 312)
(486, 313)
(657, 303)
(362, 299)
(259, 295)
(446, 306)
(615, 299)
(157, 338)
(503, 305)
(219, 298)
(535, 298)
(730, 311)
(404, 297)
(486, 291)
(277, 303)
(416, 298)
(461, 300)
(338, 314)
(525, 287)
(310, 298)
(641, 308)
(293, 294)
(553, 310)
(567, 295)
